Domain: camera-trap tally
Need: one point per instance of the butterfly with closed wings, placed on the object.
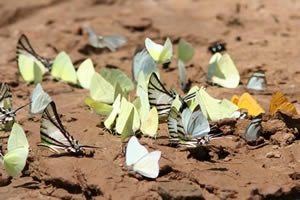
(53, 134)
(24, 48)
(161, 98)
(7, 115)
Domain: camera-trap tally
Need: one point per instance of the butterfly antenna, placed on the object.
(18, 109)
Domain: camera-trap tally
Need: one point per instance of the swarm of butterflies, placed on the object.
(187, 116)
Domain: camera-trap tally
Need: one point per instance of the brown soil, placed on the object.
(259, 35)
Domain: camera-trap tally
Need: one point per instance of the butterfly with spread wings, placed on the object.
(7, 115)
(161, 98)
(24, 48)
(54, 135)
(112, 42)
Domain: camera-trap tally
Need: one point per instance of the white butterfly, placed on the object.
(112, 42)
(257, 81)
(188, 123)
(39, 100)
(140, 160)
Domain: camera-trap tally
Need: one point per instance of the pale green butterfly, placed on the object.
(185, 51)
(149, 125)
(161, 54)
(106, 87)
(140, 160)
(111, 118)
(85, 73)
(63, 68)
(17, 146)
(212, 108)
(222, 71)
(98, 107)
(123, 121)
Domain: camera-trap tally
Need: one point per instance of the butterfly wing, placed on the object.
(254, 128)
(166, 54)
(185, 50)
(114, 41)
(143, 62)
(195, 123)
(110, 120)
(17, 138)
(175, 124)
(153, 48)
(85, 73)
(5, 96)
(39, 100)
(148, 166)
(134, 151)
(150, 124)
(159, 97)
(226, 73)
(93, 39)
(24, 48)
(279, 101)
(63, 68)
(101, 90)
(257, 81)
(15, 160)
(246, 101)
(53, 133)
(181, 70)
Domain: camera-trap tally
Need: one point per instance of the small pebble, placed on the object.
(273, 154)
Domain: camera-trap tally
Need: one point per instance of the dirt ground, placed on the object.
(259, 34)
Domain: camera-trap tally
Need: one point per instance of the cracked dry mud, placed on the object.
(259, 34)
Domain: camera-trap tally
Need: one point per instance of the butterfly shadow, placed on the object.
(79, 154)
(88, 50)
(208, 153)
(29, 185)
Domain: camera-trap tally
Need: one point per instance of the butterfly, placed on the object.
(53, 134)
(217, 47)
(106, 86)
(280, 102)
(39, 100)
(162, 99)
(254, 128)
(24, 48)
(161, 54)
(246, 101)
(112, 42)
(85, 73)
(140, 160)
(7, 115)
(17, 146)
(190, 125)
(143, 62)
(222, 71)
(185, 51)
(213, 109)
(257, 81)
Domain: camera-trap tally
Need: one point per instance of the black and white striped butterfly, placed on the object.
(7, 115)
(24, 48)
(54, 135)
(112, 42)
(161, 98)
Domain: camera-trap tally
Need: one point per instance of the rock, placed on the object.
(273, 154)
(179, 191)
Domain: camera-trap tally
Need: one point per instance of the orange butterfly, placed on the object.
(246, 101)
(279, 101)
